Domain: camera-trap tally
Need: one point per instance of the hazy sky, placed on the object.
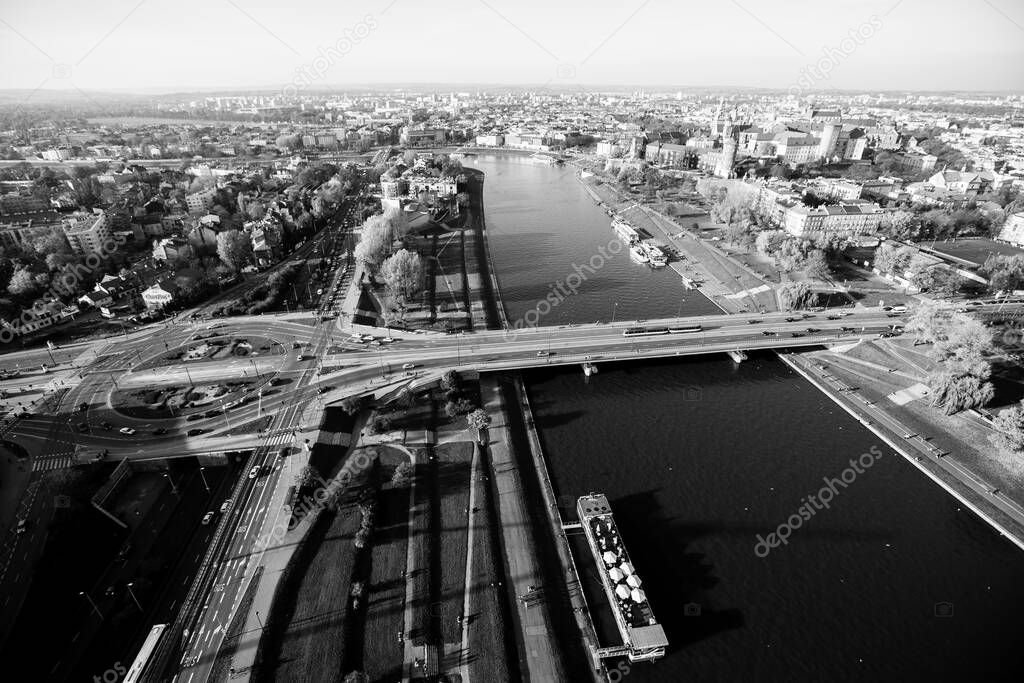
(184, 44)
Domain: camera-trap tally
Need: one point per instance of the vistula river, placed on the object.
(893, 581)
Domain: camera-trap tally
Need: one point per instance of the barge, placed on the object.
(643, 638)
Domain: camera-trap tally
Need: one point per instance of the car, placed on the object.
(82, 407)
(107, 426)
(768, 333)
(408, 366)
(753, 322)
(207, 517)
(193, 417)
(791, 319)
(128, 431)
(159, 431)
(195, 432)
(296, 345)
(797, 334)
(812, 330)
(123, 555)
(22, 526)
(833, 317)
(307, 356)
(543, 354)
(323, 390)
(254, 472)
(225, 506)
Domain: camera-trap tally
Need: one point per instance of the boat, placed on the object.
(543, 158)
(655, 256)
(625, 231)
(642, 636)
(637, 253)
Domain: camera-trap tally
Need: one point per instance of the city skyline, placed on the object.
(891, 45)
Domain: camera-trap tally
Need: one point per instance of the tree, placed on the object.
(890, 258)
(928, 321)
(22, 283)
(353, 404)
(356, 677)
(794, 295)
(234, 249)
(403, 274)
(307, 476)
(816, 265)
(479, 419)
(956, 392)
(1009, 430)
(403, 475)
(450, 380)
(380, 424)
(899, 225)
(374, 242)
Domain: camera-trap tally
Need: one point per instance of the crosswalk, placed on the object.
(46, 463)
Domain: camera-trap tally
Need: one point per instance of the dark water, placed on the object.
(700, 456)
(542, 225)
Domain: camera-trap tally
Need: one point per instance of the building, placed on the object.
(671, 155)
(609, 149)
(201, 201)
(89, 233)
(160, 295)
(781, 204)
(494, 140)
(19, 229)
(727, 159)
(172, 249)
(837, 189)
(56, 154)
(420, 135)
(847, 219)
(1013, 230)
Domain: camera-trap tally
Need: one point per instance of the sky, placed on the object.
(799, 45)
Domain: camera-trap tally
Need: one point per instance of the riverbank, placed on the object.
(728, 284)
(987, 501)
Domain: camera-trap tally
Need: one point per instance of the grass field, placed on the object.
(382, 651)
(305, 638)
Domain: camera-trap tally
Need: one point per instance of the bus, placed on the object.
(144, 658)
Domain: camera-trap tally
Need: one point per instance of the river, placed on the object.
(893, 581)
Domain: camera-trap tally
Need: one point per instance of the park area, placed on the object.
(367, 570)
(216, 347)
(171, 401)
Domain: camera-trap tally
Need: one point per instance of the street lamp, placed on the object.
(174, 487)
(259, 620)
(202, 475)
(615, 308)
(94, 607)
(135, 599)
